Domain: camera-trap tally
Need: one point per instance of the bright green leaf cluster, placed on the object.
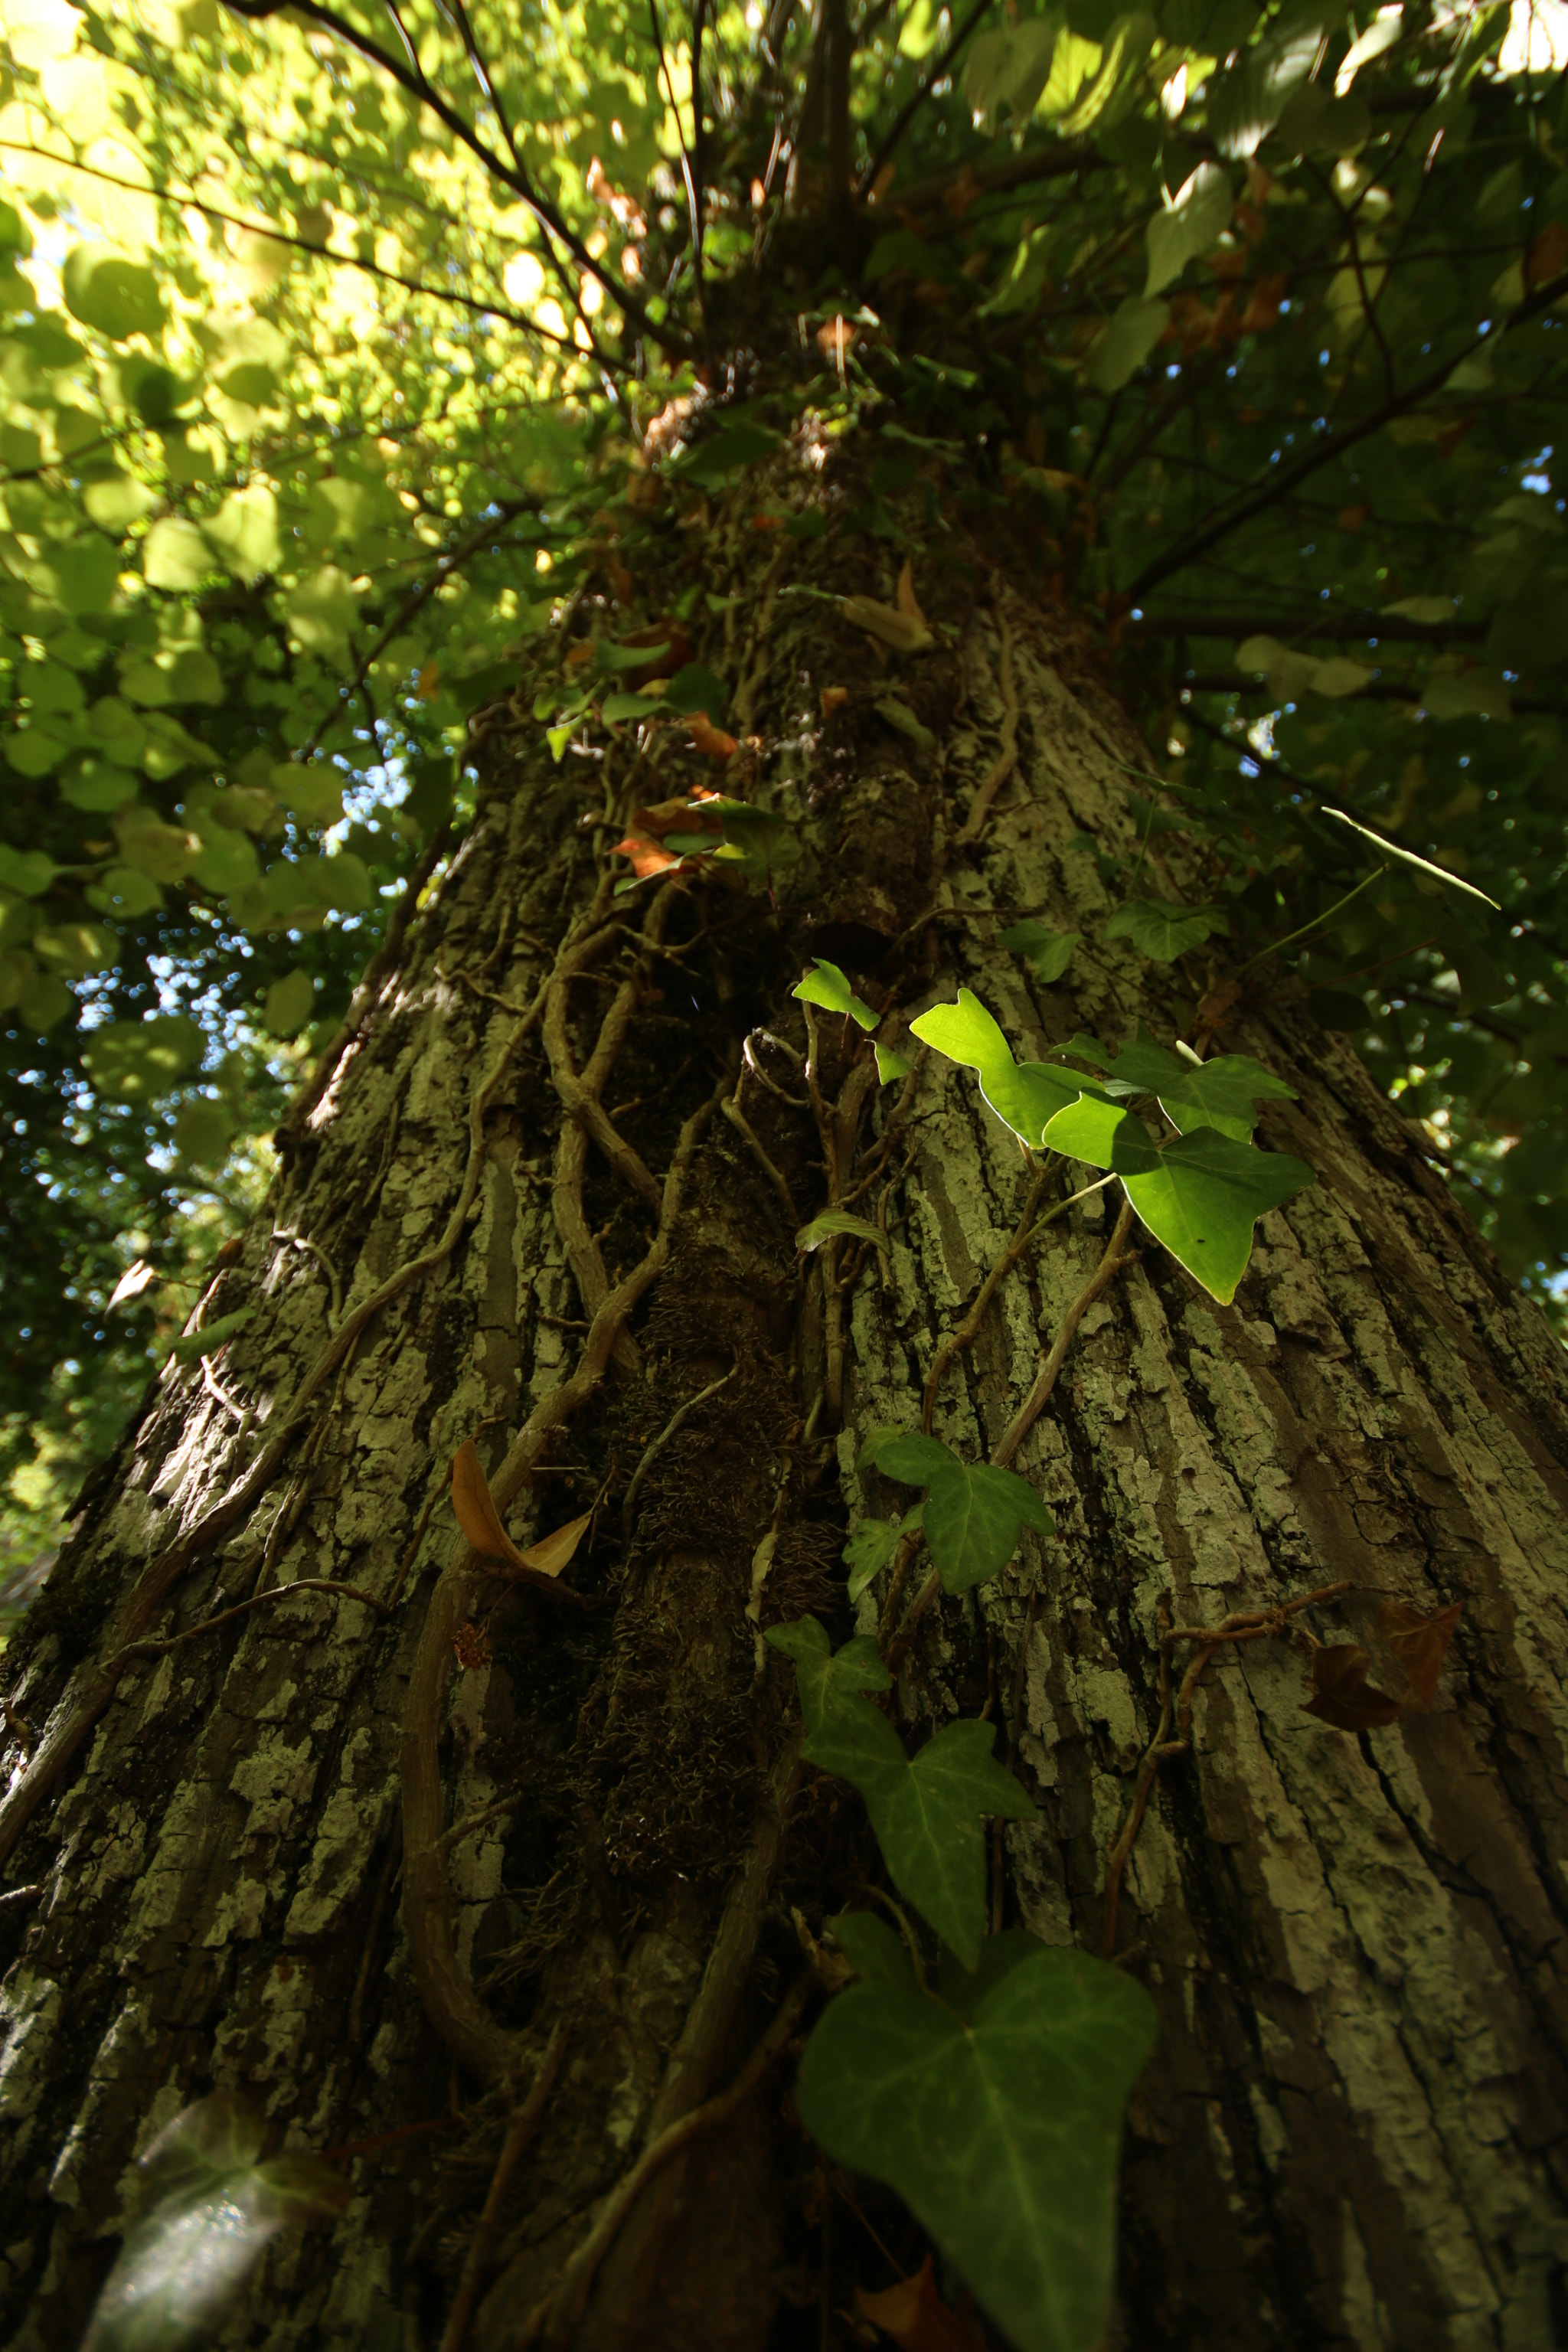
(1201, 1190)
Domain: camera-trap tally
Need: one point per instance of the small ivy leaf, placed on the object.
(616, 707)
(1164, 932)
(827, 1680)
(1219, 1094)
(1342, 1694)
(1200, 1194)
(1048, 952)
(872, 1546)
(1408, 857)
(880, 1434)
(827, 987)
(558, 738)
(899, 716)
(874, 1949)
(973, 1518)
(211, 1338)
(905, 632)
(891, 1064)
(1000, 2132)
(1420, 1643)
(914, 1460)
(868, 1552)
(1024, 1095)
(1083, 1049)
(696, 689)
(607, 657)
(839, 1221)
(927, 1821)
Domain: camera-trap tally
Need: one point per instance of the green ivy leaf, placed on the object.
(926, 1814)
(1161, 932)
(891, 1064)
(974, 1514)
(1000, 2129)
(872, 1546)
(1025, 1095)
(1200, 1195)
(839, 1221)
(1220, 1093)
(617, 709)
(827, 987)
(1048, 952)
(211, 1338)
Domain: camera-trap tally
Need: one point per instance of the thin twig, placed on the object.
(303, 1241)
(460, 1830)
(257, 1601)
(676, 1422)
(1006, 758)
(1252, 1624)
(475, 2262)
(776, 1176)
(1034, 1405)
(558, 2316)
(968, 1330)
(412, 1554)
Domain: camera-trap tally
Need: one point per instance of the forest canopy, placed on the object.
(342, 346)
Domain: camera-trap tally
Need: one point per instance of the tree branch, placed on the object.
(413, 79)
(1334, 445)
(912, 107)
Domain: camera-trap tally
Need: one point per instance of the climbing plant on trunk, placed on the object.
(505, 1769)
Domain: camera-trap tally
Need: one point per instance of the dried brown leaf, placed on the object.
(550, 1555)
(648, 856)
(1420, 1643)
(914, 2314)
(710, 740)
(907, 599)
(475, 1507)
(1343, 1695)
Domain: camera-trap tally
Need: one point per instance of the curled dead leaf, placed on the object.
(550, 1555)
(695, 813)
(1420, 1643)
(648, 856)
(710, 740)
(1342, 1694)
(914, 2314)
(482, 1524)
(834, 698)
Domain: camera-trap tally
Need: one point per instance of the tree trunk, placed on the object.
(561, 1205)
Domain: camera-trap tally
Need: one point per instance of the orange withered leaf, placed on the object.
(648, 856)
(914, 2314)
(1420, 1643)
(1342, 1694)
(475, 1507)
(710, 740)
(470, 1648)
(550, 1555)
(834, 698)
(481, 1522)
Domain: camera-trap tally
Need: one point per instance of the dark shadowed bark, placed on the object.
(380, 1857)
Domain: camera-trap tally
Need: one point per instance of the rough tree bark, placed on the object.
(569, 1115)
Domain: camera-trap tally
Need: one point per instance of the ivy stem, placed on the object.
(1275, 946)
(1034, 1405)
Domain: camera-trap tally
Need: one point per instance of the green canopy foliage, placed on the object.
(338, 343)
